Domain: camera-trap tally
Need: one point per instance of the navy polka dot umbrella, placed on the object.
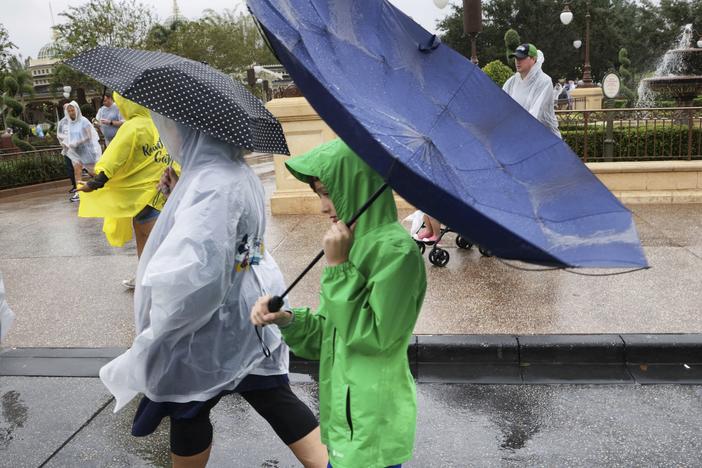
(189, 92)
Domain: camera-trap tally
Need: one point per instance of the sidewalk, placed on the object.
(63, 280)
(68, 422)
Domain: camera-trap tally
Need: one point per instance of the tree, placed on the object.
(12, 113)
(64, 75)
(626, 76)
(5, 47)
(25, 83)
(614, 24)
(498, 71)
(116, 23)
(228, 41)
(512, 41)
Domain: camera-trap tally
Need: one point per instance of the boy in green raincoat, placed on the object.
(371, 294)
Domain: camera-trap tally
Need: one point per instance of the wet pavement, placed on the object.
(63, 422)
(63, 279)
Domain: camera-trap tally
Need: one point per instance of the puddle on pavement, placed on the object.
(14, 415)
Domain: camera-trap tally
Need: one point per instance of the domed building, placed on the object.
(46, 105)
(42, 67)
(176, 17)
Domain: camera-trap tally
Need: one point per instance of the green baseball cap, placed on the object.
(524, 51)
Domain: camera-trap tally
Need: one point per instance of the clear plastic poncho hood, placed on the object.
(202, 270)
(81, 137)
(535, 94)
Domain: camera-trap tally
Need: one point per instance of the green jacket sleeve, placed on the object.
(304, 334)
(372, 314)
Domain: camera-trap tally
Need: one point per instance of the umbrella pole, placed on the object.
(276, 302)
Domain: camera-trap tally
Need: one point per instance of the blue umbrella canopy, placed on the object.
(445, 137)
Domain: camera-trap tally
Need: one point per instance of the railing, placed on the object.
(569, 104)
(31, 167)
(670, 133)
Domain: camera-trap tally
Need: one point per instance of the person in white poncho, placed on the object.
(199, 275)
(81, 141)
(531, 87)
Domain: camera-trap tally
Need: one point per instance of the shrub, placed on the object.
(498, 72)
(88, 111)
(669, 142)
(31, 169)
(512, 41)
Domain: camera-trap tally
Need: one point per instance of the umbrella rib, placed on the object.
(446, 106)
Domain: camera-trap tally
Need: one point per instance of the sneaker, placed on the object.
(73, 190)
(74, 198)
(129, 283)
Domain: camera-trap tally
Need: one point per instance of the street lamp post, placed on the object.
(566, 17)
(472, 25)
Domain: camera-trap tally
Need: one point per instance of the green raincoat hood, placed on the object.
(350, 183)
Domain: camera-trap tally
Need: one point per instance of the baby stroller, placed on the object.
(438, 256)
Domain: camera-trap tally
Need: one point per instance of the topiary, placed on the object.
(88, 111)
(14, 110)
(512, 41)
(498, 72)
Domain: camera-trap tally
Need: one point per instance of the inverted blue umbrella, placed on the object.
(445, 137)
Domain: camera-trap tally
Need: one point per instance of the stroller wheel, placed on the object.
(463, 243)
(439, 257)
(484, 252)
(421, 246)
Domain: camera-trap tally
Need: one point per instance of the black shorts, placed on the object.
(289, 417)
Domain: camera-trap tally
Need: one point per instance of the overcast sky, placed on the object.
(29, 21)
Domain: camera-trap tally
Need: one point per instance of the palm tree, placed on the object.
(23, 78)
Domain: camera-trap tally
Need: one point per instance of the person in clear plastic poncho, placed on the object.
(81, 141)
(531, 87)
(201, 271)
(62, 136)
(125, 192)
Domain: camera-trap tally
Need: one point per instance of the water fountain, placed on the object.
(678, 74)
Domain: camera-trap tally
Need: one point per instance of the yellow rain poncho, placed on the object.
(133, 162)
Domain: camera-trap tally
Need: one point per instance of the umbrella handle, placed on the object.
(276, 302)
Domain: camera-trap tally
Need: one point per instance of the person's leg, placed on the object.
(141, 232)
(195, 461)
(78, 171)
(191, 440)
(426, 231)
(69, 169)
(91, 169)
(309, 450)
(293, 422)
(435, 226)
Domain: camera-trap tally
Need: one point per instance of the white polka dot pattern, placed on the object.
(188, 92)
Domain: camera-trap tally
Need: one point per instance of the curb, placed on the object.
(13, 192)
(481, 359)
